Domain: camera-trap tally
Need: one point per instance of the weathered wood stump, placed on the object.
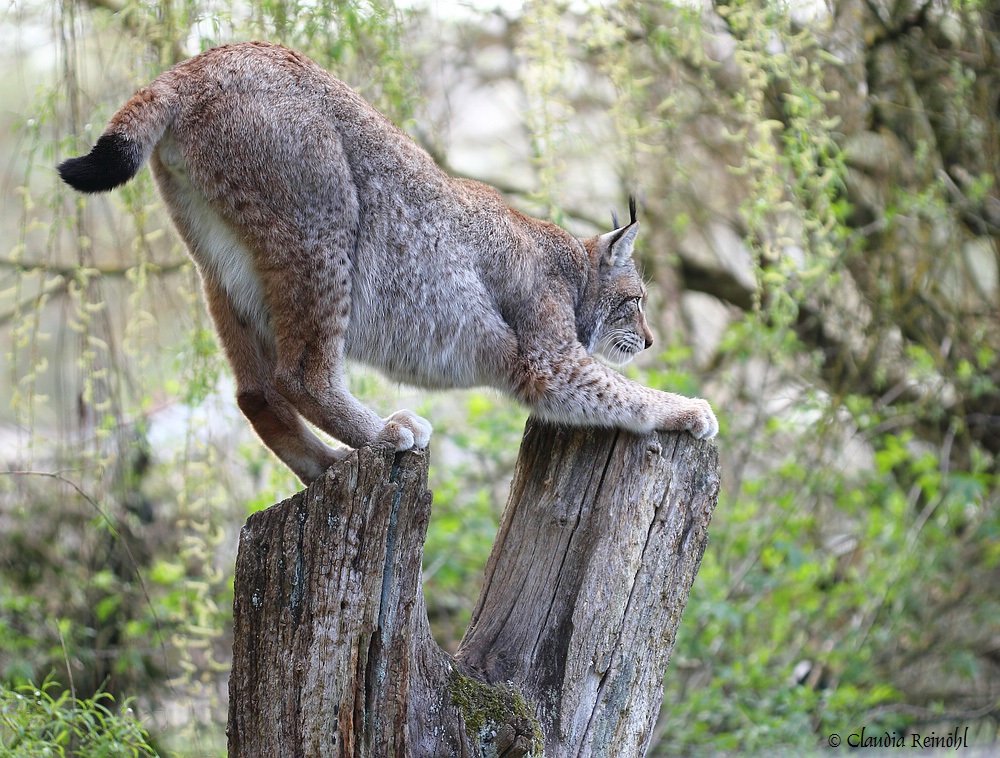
(595, 556)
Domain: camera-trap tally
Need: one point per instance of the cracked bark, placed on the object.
(593, 563)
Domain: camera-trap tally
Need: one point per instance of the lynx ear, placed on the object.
(620, 243)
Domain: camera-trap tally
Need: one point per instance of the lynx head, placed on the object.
(611, 322)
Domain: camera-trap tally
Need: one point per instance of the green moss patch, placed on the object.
(486, 707)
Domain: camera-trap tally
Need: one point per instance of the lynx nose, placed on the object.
(649, 342)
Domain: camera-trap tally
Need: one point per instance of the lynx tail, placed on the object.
(127, 142)
(112, 161)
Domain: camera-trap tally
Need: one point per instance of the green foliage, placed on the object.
(47, 721)
(544, 47)
(818, 587)
(851, 545)
(858, 537)
(361, 41)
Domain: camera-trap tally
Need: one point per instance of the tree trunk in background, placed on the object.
(594, 560)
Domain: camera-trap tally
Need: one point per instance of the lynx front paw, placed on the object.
(405, 430)
(702, 423)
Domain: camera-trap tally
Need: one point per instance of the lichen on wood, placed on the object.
(489, 709)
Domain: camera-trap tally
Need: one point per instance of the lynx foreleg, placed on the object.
(577, 389)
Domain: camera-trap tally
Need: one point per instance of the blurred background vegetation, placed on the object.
(820, 208)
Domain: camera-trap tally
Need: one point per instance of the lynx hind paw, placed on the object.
(703, 424)
(405, 430)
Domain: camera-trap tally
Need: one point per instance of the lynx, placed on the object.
(322, 234)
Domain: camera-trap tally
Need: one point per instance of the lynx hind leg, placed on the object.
(309, 297)
(303, 263)
(243, 333)
(272, 417)
(283, 431)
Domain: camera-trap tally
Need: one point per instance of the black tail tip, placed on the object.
(111, 162)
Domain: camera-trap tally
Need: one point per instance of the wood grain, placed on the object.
(594, 560)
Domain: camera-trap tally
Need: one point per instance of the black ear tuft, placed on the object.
(631, 213)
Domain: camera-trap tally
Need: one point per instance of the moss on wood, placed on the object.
(489, 708)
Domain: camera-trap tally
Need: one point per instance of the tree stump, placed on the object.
(595, 556)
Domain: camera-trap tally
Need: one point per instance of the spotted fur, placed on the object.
(322, 233)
